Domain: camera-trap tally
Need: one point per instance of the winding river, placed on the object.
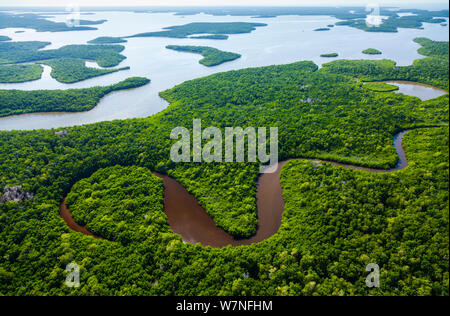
(189, 220)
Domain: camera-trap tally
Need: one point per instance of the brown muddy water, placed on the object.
(189, 220)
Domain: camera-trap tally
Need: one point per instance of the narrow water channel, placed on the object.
(189, 220)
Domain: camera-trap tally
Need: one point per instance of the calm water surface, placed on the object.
(286, 39)
(422, 91)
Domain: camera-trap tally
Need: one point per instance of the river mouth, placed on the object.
(191, 221)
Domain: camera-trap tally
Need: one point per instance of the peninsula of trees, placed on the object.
(20, 73)
(16, 102)
(212, 56)
(71, 70)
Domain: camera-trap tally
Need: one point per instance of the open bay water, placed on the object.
(286, 39)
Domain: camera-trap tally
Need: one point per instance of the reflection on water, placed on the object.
(286, 39)
(423, 92)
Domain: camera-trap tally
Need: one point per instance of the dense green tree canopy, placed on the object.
(380, 87)
(71, 70)
(20, 73)
(335, 222)
(107, 40)
(372, 51)
(16, 102)
(21, 52)
(330, 55)
(115, 202)
(432, 70)
(212, 56)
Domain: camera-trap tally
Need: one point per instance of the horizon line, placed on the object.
(230, 6)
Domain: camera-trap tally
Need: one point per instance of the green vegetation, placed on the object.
(351, 16)
(336, 220)
(107, 40)
(13, 48)
(21, 52)
(394, 22)
(432, 70)
(213, 56)
(432, 48)
(267, 12)
(4, 38)
(16, 102)
(216, 31)
(70, 70)
(68, 62)
(427, 71)
(372, 51)
(381, 87)
(322, 29)
(349, 219)
(330, 55)
(40, 24)
(184, 31)
(20, 73)
(114, 202)
(213, 37)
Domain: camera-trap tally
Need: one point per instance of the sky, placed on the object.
(403, 3)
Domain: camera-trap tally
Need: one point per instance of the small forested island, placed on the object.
(371, 51)
(212, 56)
(264, 16)
(330, 55)
(20, 73)
(107, 40)
(71, 70)
(335, 221)
(380, 87)
(15, 102)
(213, 28)
(322, 29)
(212, 37)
